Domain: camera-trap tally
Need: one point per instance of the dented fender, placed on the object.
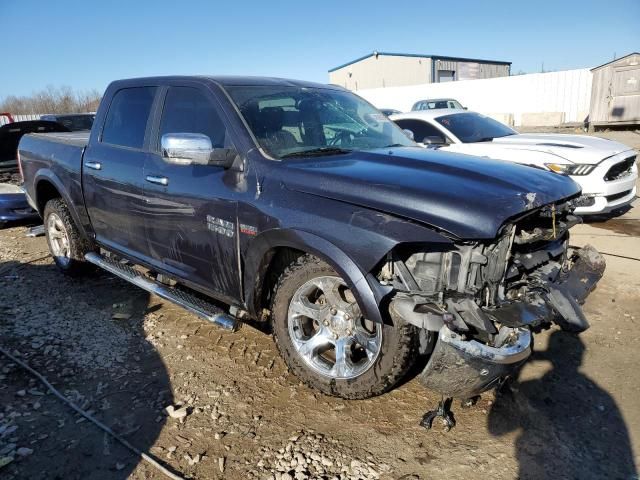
(365, 287)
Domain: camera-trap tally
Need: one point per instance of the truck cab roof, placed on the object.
(225, 81)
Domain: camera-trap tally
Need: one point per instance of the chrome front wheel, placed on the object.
(328, 330)
(327, 342)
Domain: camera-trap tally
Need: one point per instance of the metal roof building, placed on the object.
(384, 69)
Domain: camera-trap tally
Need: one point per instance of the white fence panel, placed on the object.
(568, 91)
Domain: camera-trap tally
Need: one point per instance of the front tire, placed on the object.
(66, 245)
(326, 342)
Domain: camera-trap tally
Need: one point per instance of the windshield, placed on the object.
(297, 121)
(438, 104)
(473, 127)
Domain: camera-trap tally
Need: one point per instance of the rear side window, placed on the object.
(188, 110)
(126, 121)
(419, 128)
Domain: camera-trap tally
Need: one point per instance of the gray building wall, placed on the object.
(384, 71)
(389, 70)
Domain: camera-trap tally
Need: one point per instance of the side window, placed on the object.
(188, 110)
(420, 129)
(128, 114)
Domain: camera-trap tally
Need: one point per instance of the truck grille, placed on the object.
(621, 169)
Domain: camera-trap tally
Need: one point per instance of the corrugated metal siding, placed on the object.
(446, 65)
(472, 70)
(468, 71)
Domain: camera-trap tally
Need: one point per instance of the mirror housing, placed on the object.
(194, 149)
(434, 140)
(186, 148)
(408, 133)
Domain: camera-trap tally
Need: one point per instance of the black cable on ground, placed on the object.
(620, 256)
(153, 462)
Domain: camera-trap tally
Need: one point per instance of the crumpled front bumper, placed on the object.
(463, 367)
(560, 301)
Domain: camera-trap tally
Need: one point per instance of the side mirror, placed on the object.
(408, 133)
(434, 140)
(194, 148)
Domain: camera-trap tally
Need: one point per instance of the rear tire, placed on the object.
(309, 286)
(66, 244)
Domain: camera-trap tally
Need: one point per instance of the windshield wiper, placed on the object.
(485, 139)
(316, 152)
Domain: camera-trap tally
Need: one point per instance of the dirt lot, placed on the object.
(123, 355)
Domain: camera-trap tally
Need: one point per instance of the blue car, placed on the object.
(13, 205)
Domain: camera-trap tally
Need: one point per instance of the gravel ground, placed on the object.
(235, 412)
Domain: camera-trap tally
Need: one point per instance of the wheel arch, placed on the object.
(47, 187)
(45, 190)
(276, 244)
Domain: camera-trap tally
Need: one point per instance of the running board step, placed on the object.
(189, 302)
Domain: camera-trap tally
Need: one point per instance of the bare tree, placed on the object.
(52, 100)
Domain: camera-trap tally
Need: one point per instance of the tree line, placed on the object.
(52, 100)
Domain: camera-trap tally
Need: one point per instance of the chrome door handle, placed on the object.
(158, 180)
(93, 165)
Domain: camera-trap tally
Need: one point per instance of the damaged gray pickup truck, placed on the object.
(302, 207)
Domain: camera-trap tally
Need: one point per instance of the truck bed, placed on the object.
(77, 139)
(55, 155)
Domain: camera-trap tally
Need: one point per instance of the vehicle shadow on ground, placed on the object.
(604, 217)
(86, 336)
(569, 427)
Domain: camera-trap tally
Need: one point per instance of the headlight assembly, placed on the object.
(570, 169)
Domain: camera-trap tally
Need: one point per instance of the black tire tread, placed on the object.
(405, 349)
(78, 245)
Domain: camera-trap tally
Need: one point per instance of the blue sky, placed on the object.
(85, 44)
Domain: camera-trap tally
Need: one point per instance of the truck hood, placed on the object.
(466, 196)
(574, 148)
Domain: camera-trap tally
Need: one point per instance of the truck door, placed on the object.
(190, 216)
(112, 172)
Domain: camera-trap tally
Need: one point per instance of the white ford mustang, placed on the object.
(606, 170)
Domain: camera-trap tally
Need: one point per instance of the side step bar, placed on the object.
(183, 299)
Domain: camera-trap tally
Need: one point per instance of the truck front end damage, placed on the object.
(483, 300)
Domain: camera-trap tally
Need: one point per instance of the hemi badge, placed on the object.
(248, 230)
